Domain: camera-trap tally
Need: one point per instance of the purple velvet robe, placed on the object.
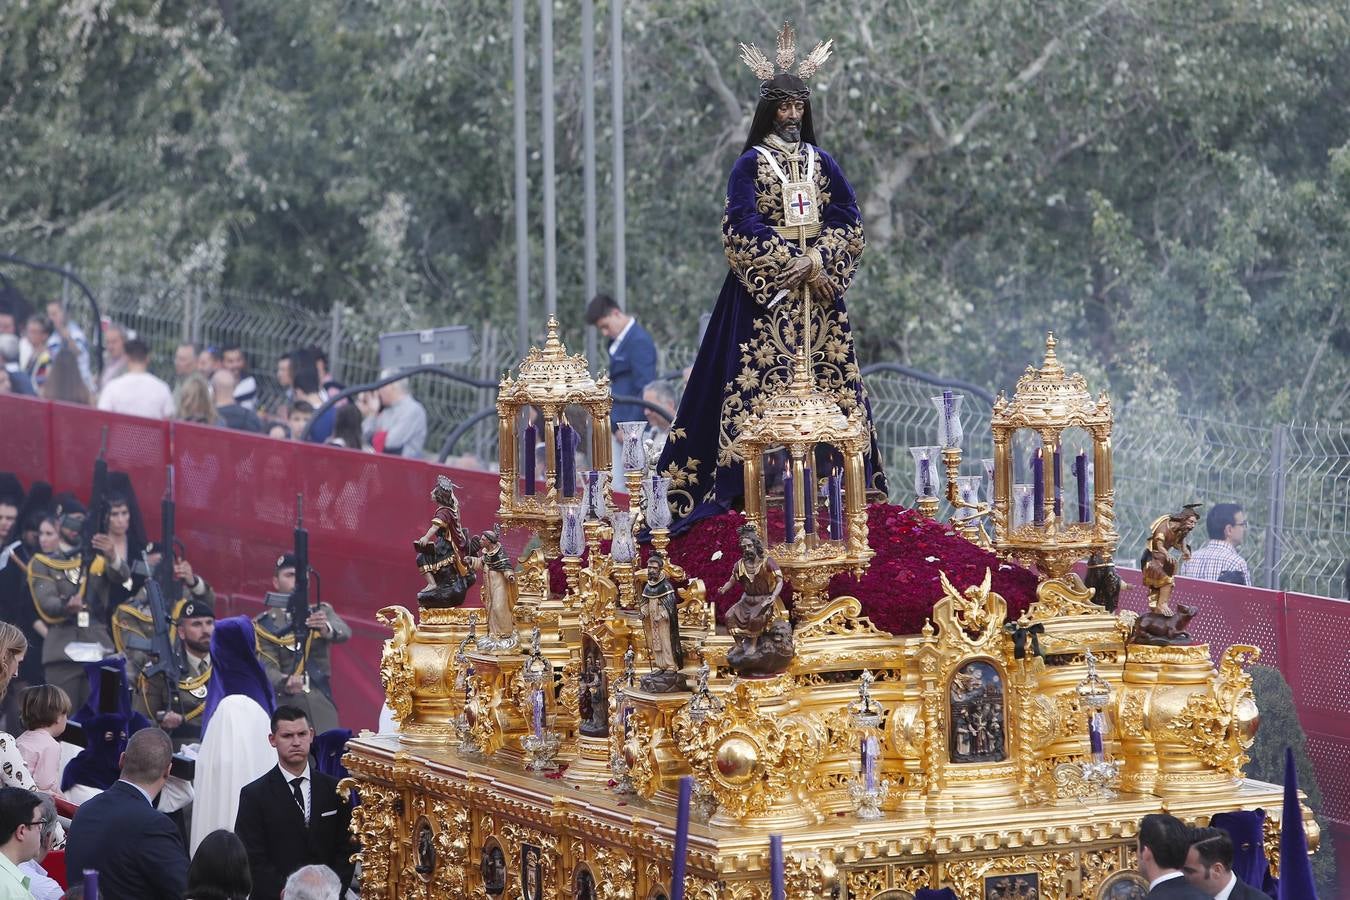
(748, 350)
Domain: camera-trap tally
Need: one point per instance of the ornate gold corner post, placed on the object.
(1103, 488)
(798, 469)
(1002, 471)
(855, 507)
(755, 512)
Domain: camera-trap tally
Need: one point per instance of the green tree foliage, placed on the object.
(1164, 183)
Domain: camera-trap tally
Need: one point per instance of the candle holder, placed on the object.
(926, 479)
(542, 751)
(865, 715)
(658, 511)
(622, 553)
(867, 799)
(811, 427)
(548, 382)
(1096, 778)
(949, 419)
(572, 543)
(1048, 402)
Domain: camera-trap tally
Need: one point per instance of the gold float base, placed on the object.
(1072, 849)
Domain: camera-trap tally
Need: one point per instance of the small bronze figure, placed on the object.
(758, 621)
(1104, 581)
(659, 608)
(594, 694)
(442, 552)
(498, 591)
(1167, 533)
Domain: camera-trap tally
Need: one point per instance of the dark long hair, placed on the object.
(219, 869)
(762, 125)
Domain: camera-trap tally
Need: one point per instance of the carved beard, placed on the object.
(789, 130)
(752, 554)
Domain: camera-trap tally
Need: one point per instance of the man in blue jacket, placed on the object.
(632, 354)
(135, 848)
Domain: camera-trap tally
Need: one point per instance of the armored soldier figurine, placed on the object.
(299, 680)
(73, 604)
(443, 551)
(179, 711)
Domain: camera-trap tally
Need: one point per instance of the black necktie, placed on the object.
(299, 796)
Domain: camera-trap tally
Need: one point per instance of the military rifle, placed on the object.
(298, 606)
(164, 574)
(95, 522)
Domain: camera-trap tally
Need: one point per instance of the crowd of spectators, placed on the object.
(97, 773)
(47, 355)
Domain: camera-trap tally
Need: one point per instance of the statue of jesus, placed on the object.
(792, 233)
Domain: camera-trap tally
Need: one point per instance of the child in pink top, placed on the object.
(44, 710)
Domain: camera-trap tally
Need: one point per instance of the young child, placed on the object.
(44, 708)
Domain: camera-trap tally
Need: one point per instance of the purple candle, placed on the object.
(1038, 487)
(867, 473)
(681, 839)
(925, 476)
(836, 498)
(1059, 480)
(568, 466)
(776, 888)
(789, 510)
(1095, 737)
(809, 506)
(537, 701)
(1080, 475)
(558, 456)
(91, 883)
(528, 468)
(869, 762)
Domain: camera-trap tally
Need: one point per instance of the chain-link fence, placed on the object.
(267, 327)
(1293, 480)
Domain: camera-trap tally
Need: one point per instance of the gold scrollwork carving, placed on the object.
(1218, 725)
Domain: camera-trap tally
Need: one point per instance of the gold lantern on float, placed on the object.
(549, 381)
(799, 422)
(1041, 523)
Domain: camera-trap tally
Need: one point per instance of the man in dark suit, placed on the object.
(1163, 842)
(136, 849)
(292, 816)
(632, 354)
(1209, 867)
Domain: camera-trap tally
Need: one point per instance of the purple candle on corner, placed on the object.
(538, 702)
(789, 510)
(870, 751)
(569, 461)
(681, 839)
(836, 502)
(776, 888)
(91, 884)
(809, 496)
(528, 468)
(1059, 481)
(1080, 475)
(1095, 737)
(1038, 487)
(925, 476)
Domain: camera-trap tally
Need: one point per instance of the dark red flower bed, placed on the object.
(898, 589)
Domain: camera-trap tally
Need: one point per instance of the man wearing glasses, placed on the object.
(41, 885)
(20, 839)
(1219, 560)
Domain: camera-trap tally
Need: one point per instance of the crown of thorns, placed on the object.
(772, 87)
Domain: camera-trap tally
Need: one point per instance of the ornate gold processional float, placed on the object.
(998, 758)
